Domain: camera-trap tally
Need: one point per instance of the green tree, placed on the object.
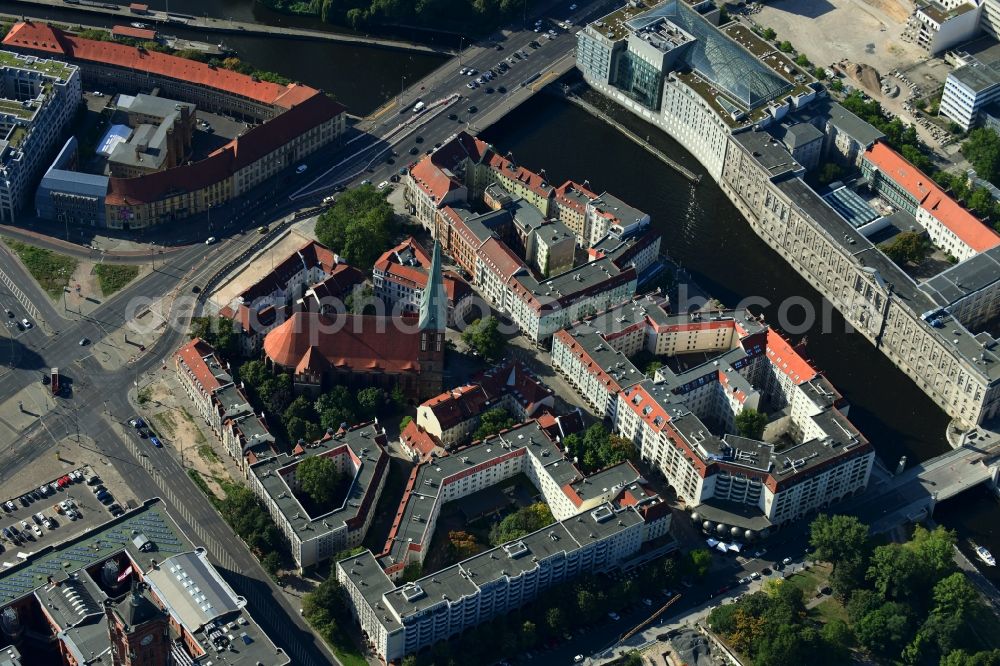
(785, 47)
(524, 521)
(529, 635)
(318, 478)
(254, 373)
(963, 658)
(493, 421)
(483, 335)
(271, 563)
(218, 332)
(802, 60)
(369, 400)
(836, 85)
(750, 423)
(697, 562)
(829, 172)
(586, 604)
(819, 73)
(556, 620)
(886, 630)
(359, 226)
(337, 406)
(652, 367)
(843, 541)
(982, 149)
(908, 247)
(981, 201)
(838, 639)
(769, 34)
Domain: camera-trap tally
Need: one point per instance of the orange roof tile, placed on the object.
(192, 356)
(37, 36)
(784, 357)
(966, 226)
(134, 33)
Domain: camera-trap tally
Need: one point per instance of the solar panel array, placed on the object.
(21, 580)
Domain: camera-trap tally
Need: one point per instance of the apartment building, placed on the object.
(222, 404)
(399, 278)
(451, 417)
(38, 100)
(317, 533)
(938, 26)
(756, 88)
(603, 522)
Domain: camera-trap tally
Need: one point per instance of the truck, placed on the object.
(418, 107)
(54, 384)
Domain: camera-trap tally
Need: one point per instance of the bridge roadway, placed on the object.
(911, 496)
(393, 136)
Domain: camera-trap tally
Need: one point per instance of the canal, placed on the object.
(700, 228)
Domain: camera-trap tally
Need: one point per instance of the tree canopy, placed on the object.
(597, 448)
(218, 332)
(750, 423)
(319, 479)
(982, 149)
(493, 421)
(484, 336)
(359, 226)
(525, 520)
(908, 247)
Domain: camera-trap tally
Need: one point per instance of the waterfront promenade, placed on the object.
(160, 21)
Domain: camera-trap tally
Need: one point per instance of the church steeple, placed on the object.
(434, 301)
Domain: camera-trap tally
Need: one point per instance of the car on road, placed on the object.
(472, 109)
(26, 323)
(489, 91)
(384, 184)
(786, 561)
(452, 116)
(143, 433)
(301, 168)
(84, 342)
(501, 90)
(155, 442)
(210, 240)
(10, 313)
(418, 139)
(414, 150)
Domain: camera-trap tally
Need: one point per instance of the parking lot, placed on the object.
(65, 510)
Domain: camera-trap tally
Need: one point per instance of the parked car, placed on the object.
(301, 168)
(786, 561)
(137, 423)
(93, 480)
(99, 489)
(26, 323)
(38, 518)
(9, 506)
(49, 523)
(155, 442)
(36, 530)
(210, 240)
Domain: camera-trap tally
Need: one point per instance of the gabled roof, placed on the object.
(358, 342)
(457, 405)
(37, 36)
(966, 226)
(786, 359)
(500, 258)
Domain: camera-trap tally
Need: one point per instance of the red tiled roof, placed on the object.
(565, 192)
(421, 441)
(966, 226)
(514, 376)
(457, 405)
(221, 164)
(535, 182)
(343, 278)
(500, 258)
(357, 342)
(135, 33)
(785, 358)
(433, 181)
(37, 36)
(192, 356)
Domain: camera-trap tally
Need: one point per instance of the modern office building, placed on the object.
(950, 226)
(38, 100)
(69, 196)
(719, 105)
(317, 533)
(604, 521)
(162, 130)
(684, 422)
(969, 90)
(133, 591)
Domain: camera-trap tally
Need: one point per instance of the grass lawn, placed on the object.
(830, 609)
(208, 454)
(808, 580)
(113, 277)
(50, 269)
(349, 657)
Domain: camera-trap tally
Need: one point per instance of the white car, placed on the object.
(755, 575)
(49, 523)
(301, 168)
(786, 561)
(98, 93)
(210, 240)
(572, 8)
(26, 323)
(384, 184)
(578, 659)
(552, 33)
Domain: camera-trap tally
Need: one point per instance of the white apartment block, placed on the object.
(358, 453)
(40, 98)
(602, 522)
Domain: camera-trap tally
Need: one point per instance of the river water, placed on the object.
(700, 228)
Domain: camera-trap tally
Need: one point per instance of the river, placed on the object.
(700, 228)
